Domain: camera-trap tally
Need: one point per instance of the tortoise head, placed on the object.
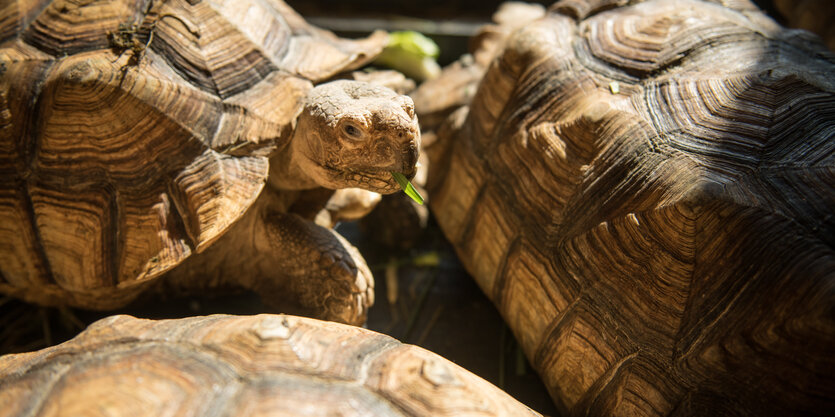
(354, 134)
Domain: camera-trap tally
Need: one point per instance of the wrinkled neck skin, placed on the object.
(349, 134)
(287, 170)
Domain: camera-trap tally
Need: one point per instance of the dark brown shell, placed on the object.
(118, 161)
(262, 365)
(646, 193)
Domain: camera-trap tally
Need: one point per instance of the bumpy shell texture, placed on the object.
(134, 133)
(241, 366)
(646, 193)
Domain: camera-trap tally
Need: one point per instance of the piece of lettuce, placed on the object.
(411, 53)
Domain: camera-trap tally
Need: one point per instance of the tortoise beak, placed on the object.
(410, 159)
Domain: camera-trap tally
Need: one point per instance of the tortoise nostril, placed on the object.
(410, 157)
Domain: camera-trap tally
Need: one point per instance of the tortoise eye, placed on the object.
(352, 130)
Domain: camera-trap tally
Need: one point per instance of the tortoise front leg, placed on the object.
(328, 207)
(314, 270)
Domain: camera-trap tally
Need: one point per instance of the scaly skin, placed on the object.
(350, 134)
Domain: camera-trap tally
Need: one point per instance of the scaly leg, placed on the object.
(322, 274)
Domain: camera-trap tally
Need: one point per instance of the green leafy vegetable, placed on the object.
(414, 42)
(407, 187)
(411, 53)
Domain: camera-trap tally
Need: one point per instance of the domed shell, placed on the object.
(243, 366)
(646, 193)
(132, 134)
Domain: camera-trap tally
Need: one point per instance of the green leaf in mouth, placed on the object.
(407, 187)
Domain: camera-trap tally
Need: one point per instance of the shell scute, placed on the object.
(155, 118)
(678, 228)
(251, 366)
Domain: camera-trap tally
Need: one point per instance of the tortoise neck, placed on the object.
(287, 171)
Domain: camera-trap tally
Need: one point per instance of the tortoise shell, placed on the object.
(133, 134)
(646, 193)
(244, 366)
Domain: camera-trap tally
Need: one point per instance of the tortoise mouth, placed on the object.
(374, 179)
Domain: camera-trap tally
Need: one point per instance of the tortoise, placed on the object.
(242, 365)
(195, 140)
(645, 190)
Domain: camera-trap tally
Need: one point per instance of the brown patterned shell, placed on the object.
(222, 365)
(647, 194)
(115, 165)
